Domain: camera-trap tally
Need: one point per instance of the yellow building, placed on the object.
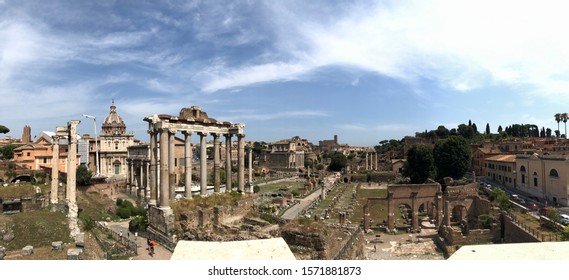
(502, 170)
(544, 176)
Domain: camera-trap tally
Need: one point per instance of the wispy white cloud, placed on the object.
(247, 115)
(461, 45)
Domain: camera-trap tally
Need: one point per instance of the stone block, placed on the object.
(57, 245)
(75, 254)
(80, 240)
(2, 252)
(28, 250)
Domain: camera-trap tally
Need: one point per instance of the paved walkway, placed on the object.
(296, 209)
(160, 253)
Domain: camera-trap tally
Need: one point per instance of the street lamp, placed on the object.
(96, 145)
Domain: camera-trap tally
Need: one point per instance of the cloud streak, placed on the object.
(462, 46)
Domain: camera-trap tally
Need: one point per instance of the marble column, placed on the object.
(241, 163)
(203, 163)
(140, 186)
(153, 170)
(172, 163)
(376, 161)
(130, 164)
(366, 160)
(390, 211)
(228, 162)
(164, 202)
(188, 161)
(216, 163)
(72, 160)
(415, 211)
(148, 182)
(250, 169)
(55, 170)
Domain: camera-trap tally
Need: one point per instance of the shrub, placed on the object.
(124, 212)
(138, 224)
(256, 189)
(119, 202)
(88, 223)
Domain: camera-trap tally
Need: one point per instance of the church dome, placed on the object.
(113, 124)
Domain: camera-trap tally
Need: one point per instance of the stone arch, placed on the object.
(404, 215)
(458, 213)
(553, 173)
(22, 178)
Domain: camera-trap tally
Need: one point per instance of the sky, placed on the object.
(363, 70)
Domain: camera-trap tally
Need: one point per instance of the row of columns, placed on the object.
(70, 191)
(162, 164)
(139, 184)
(371, 161)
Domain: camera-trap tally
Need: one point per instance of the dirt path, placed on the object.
(160, 253)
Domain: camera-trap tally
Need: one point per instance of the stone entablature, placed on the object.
(162, 129)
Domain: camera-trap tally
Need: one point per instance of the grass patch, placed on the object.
(95, 207)
(280, 187)
(22, 189)
(37, 228)
(378, 212)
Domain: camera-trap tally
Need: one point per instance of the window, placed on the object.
(28, 153)
(553, 173)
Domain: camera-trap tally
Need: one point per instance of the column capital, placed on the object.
(187, 132)
(200, 133)
(240, 136)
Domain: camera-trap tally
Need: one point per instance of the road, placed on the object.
(293, 212)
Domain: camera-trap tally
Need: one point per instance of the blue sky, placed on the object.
(364, 70)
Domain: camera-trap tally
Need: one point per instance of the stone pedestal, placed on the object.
(28, 250)
(75, 254)
(57, 246)
(161, 226)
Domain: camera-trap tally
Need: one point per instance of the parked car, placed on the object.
(533, 207)
(564, 219)
(543, 211)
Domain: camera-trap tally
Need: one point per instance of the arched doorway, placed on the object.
(459, 213)
(404, 216)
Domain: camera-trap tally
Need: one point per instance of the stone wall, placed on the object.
(334, 243)
(217, 215)
(514, 233)
(451, 238)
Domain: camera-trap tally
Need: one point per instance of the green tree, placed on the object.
(487, 129)
(319, 166)
(392, 146)
(4, 129)
(8, 151)
(466, 131)
(442, 131)
(502, 198)
(337, 162)
(420, 164)
(83, 175)
(452, 157)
